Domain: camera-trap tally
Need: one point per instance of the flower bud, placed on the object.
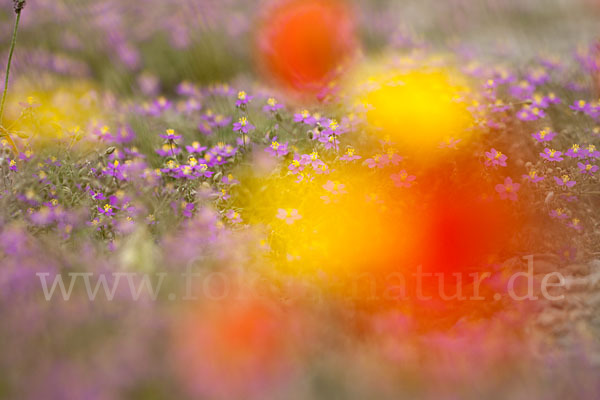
(19, 5)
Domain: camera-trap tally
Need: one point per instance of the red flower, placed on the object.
(301, 43)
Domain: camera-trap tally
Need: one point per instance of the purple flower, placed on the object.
(564, 180)
(580, 106)
(305, 117)
(334, 128)
(298, 164)
(109, 208)
(495, 158)
(205, 128)
(187, 209)
(124, 135)
(168, 150)
(158, 106)
(538, 76)
(12, 165)
(523, 90)
(233, 217)
(114, 169)
(533, 177)
(552, 98)
(243, 99)
(575, 152)
(403, 179)
(329, 142)
(272, 105)
(591, 151)
(529, 113)
(559, 213)
(195, 148)
(229, 180)
(170, 135)
(551, 155)
(191, 105)
(26, 155)
(243, 126)
(221, 121)
(277, 149)
(95, 195)
(508, 190)
(545, 135)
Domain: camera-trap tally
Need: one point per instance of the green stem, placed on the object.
(10, 54)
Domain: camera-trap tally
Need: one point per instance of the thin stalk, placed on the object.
(10, 55)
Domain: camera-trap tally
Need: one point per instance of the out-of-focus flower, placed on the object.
(508, 189)
(288, 215)
(403, 179)
(196, 147)
(564, 180)
(349, 155)
(233, 217)
(575, 223)
(272, 105)
(529, 113)
(559, 213)
(545, 135)
(580, 105)
(449, 143)
(305, 117)
(170, 135)
(533, 177)
(302, 43)
(495, 158)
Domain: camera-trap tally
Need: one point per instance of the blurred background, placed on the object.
(152, 44)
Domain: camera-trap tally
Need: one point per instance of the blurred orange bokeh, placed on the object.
(301, 44)
(240, 346)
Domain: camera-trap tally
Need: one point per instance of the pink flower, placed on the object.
(289, 215)
(335, 187)
(495, 158)
(378, 161)
(449, 143)
(233, 217)
(508, 190)
(402, 179)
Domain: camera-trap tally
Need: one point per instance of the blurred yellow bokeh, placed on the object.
(418, 108)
